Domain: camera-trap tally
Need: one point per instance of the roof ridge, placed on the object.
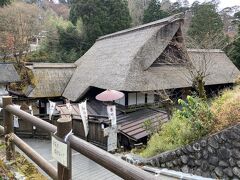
(169, 19)
(205, 50)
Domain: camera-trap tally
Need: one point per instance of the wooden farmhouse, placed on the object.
(48, 83)
(137, 62)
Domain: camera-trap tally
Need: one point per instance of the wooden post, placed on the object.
(64, 126)
(8, 126)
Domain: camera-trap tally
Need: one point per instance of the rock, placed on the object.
(211, 150)
(213, 143)
(198, 162)
(198, 172)
(152, 163)
(175, 162)
(191, 163)
(238, 163)
(163, 165)
(236, 144)
(198, 155)
(213, 160)
(228, 171)
(206, 174)
(173, 155)
(189, 149)
(205, 154)
(236, 130)
(163, 157)
(204, 165)
(232, 162)
(160, 161)
(203, 143)
(218, 139)
(179, 161)
(236, 153)
(185, 169)
(223, 136)
(236, 171)
(196, 147)
(232, 135)
(213, 175)
(184, 150)
(184, 159)
(218, 171)
(223, 153)
(169, 165)
(169, 156)
(223, 164)
(179, 152)
(211, 167)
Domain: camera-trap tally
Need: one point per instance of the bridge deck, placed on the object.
(82, 167)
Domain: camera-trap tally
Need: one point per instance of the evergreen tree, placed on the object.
(234, 50)
(206, 23)
(100, 17)
(237, 15)
(154, 12)
(4, 3)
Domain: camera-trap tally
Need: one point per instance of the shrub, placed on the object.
(226, 109)
(197, 112)
(191, 122)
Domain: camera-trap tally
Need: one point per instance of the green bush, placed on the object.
(188, 124)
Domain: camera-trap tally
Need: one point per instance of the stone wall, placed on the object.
(216, 156)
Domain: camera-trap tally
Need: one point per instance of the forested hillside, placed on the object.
(64, 32)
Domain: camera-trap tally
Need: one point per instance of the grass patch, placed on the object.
(21, 165)
(226, 109)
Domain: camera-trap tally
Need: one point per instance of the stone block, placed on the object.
(218, 171)
(223, 164)
(184, 159)
(236, 171)
(224, 153)
(213, 161)
(228, 171)
(236, 153)
(213, 143)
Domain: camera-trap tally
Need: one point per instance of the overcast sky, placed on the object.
(223, 3)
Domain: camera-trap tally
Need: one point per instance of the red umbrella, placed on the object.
(109, 95)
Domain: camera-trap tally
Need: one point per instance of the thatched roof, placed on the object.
(124, 61)
(50, 79)
(8, 73)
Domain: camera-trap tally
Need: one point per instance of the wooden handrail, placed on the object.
(107, 160)
(37, 158)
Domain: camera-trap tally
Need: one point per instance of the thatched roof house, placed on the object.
(50, 79)
(8, 73)
(145, 58)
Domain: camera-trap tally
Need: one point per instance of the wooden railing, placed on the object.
(105, 159)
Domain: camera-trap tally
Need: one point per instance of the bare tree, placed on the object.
(19, 23)
(198, 71)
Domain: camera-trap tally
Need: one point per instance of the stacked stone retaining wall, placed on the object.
(216, 156)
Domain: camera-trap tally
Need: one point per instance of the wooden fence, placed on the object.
(105, 159)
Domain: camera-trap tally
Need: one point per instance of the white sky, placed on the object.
(223, 3)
